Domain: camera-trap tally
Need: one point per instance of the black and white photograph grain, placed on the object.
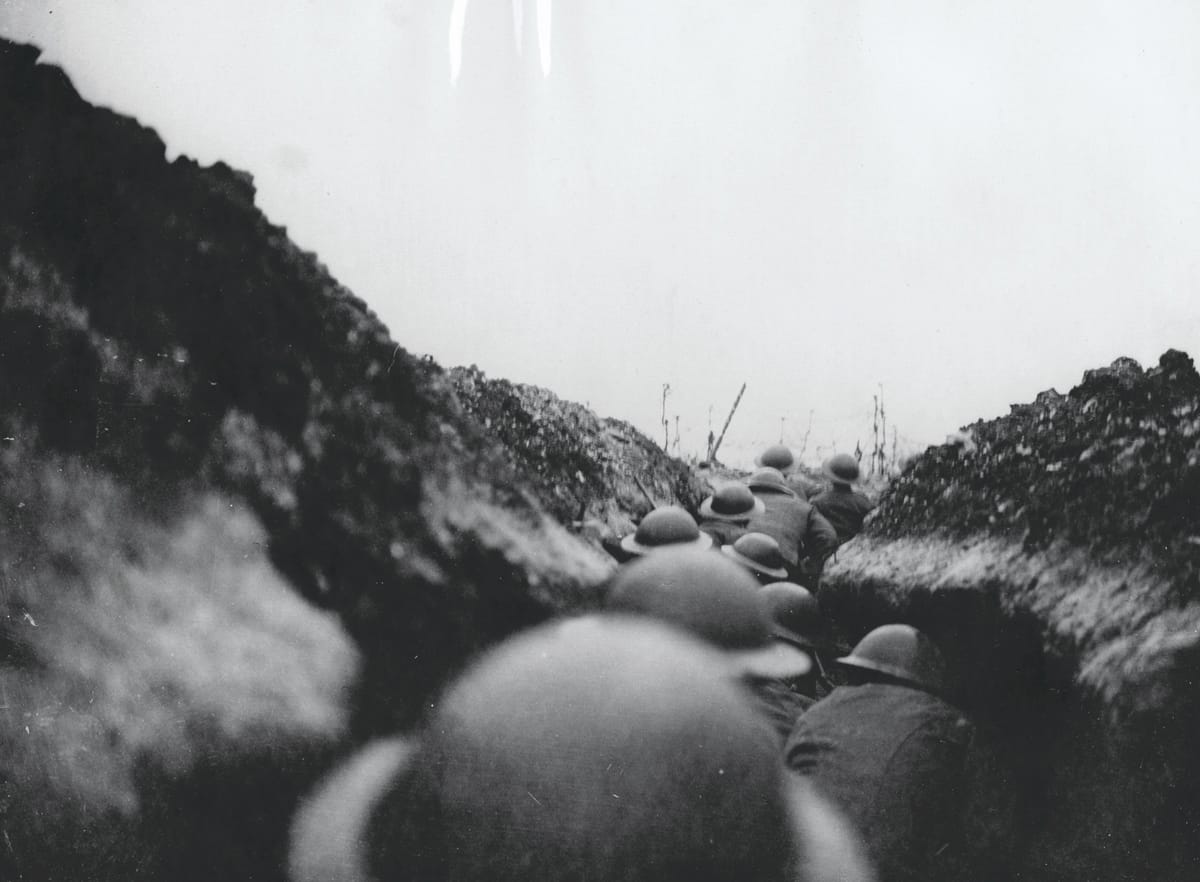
(599, 441)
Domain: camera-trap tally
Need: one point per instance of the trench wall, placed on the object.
(1080, 676)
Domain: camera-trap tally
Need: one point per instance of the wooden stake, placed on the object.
(666, 426)
(713, 453)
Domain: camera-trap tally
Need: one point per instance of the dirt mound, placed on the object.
(1113, 466)
(1053, 553)
(583, 469)
(198, 428)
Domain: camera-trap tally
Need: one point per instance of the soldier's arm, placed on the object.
(799, 751)
(821, 538)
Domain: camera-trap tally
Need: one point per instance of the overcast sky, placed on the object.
(967, 202)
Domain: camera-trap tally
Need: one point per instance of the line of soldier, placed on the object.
(692, 730)
(767, 523)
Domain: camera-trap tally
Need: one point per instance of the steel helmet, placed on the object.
(712, 598)
(733, 502)
(667, 525)
(903, 652)
(796, 614)
(759, 553)
(604, 748)
(770, 480)
(842, 468)
(777, 456)
(333, 822)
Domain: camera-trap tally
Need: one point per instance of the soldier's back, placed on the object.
(844, 509)
(891, 757)
(784, 519)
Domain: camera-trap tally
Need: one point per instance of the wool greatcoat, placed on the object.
(844, 509)
(892, 758)
(801, 531)
(780, 703)
(722, 532)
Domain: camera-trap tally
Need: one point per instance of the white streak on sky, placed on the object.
(518, 15)
(543, 27)
(967, 202)
(458, 22)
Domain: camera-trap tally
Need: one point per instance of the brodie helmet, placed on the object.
(903, 652)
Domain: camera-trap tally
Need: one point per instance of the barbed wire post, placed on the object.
(882, 434)
(666, 390)
(874, 434)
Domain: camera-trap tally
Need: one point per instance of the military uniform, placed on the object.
(844, 509)
(892, 758)
(722, 532)
(780, 704)
(801, 531)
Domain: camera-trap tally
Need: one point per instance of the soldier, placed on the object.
(841, 505)
(777, 456)
(761, 555)
(666, 526)
(798, 620)
(724, 515)
(719, 602)
(711, 598)
(805, 537)
(890, 752)
(781, 458)
(607, 749)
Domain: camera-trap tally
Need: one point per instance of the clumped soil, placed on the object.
(210, 447)
(584, 469)
(1053, 553)
(174, 353)
(1113, 466)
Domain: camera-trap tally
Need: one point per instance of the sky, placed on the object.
(955, 203)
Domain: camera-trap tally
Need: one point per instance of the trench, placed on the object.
(1058, 788)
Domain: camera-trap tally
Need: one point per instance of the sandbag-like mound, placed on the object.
(1054, 554)
(204, 441)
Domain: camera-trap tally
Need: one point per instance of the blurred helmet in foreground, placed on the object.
(713, 599)
(330, 830)
(600, 749)
(796, 614)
